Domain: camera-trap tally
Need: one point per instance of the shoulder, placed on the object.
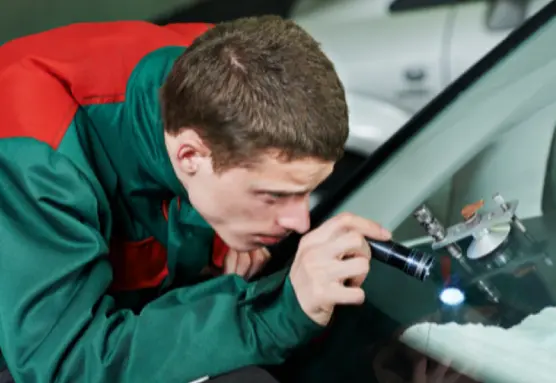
(81, 63)
(28, 160)
(34, 174)
(34, 103)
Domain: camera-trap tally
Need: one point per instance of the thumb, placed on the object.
(259, 258)
(420, 371)
(230, 262)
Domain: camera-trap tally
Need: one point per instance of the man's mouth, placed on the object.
(270, 239)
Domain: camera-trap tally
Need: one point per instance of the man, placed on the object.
(143, 171)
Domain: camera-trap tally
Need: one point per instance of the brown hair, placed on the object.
(257, 84)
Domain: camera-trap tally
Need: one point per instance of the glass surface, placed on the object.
(497, 321)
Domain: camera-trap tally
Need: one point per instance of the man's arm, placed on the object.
(57, 324)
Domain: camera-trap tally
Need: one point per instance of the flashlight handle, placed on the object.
(389, 252)
(412, 262)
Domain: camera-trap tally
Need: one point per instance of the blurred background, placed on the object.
(394, 56)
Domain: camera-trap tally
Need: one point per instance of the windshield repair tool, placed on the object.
(519, 225)
(437, 231)
(414, 263)
(489, 230)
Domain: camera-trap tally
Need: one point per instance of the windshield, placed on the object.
(488, 312)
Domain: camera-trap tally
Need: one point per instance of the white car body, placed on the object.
(393, 62)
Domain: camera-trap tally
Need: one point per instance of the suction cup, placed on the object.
(488, 240)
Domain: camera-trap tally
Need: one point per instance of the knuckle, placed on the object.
(266, 253)
(257, 256)
(367, 252)
(245, 258)
(365, 266)
(360, 295)
(344, 218)
(363, 242)
(355, 239)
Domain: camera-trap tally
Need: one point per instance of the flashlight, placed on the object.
(414, 263)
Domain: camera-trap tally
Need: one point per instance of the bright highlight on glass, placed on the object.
(452, 296)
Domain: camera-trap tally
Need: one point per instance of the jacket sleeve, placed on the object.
(58, 325)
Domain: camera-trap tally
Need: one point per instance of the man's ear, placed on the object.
(191, 149)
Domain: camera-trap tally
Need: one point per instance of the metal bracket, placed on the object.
(479, 223)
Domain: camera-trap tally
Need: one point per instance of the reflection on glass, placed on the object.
(477, 185)
(452, 296)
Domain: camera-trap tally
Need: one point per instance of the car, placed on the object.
(470, 179)
(395, 56)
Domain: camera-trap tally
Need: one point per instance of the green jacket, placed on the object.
(100, 252)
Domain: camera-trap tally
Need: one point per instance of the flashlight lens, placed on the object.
(452, 296)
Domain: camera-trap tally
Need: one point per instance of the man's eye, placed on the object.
(272, 198)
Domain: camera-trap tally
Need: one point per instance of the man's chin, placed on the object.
(241, 244)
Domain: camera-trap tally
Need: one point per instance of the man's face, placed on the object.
(260, 205)
(248, 207)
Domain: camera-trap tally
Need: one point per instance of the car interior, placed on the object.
(481, 159)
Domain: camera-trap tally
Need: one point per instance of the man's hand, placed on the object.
(331, 263)
(245, 264)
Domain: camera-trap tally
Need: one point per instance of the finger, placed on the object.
(350, 222)
(385, 354)
(346, 295)
(384, 375)
(230, 262)
(260, 254)
(350, 268)
(420, 371)
(357, 281)
(439, 372)
(453, 377)
(243, 264)
(465, 372)
(347, 245)
(259, 258)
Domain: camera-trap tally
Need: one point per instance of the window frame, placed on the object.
(420, 120)
(398, 6)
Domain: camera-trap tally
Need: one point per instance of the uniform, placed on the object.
(101, 254)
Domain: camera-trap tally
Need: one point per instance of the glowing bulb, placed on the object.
(452, 296)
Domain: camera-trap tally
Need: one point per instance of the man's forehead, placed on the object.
(304, 173)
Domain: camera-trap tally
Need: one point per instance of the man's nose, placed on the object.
(296, 216)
